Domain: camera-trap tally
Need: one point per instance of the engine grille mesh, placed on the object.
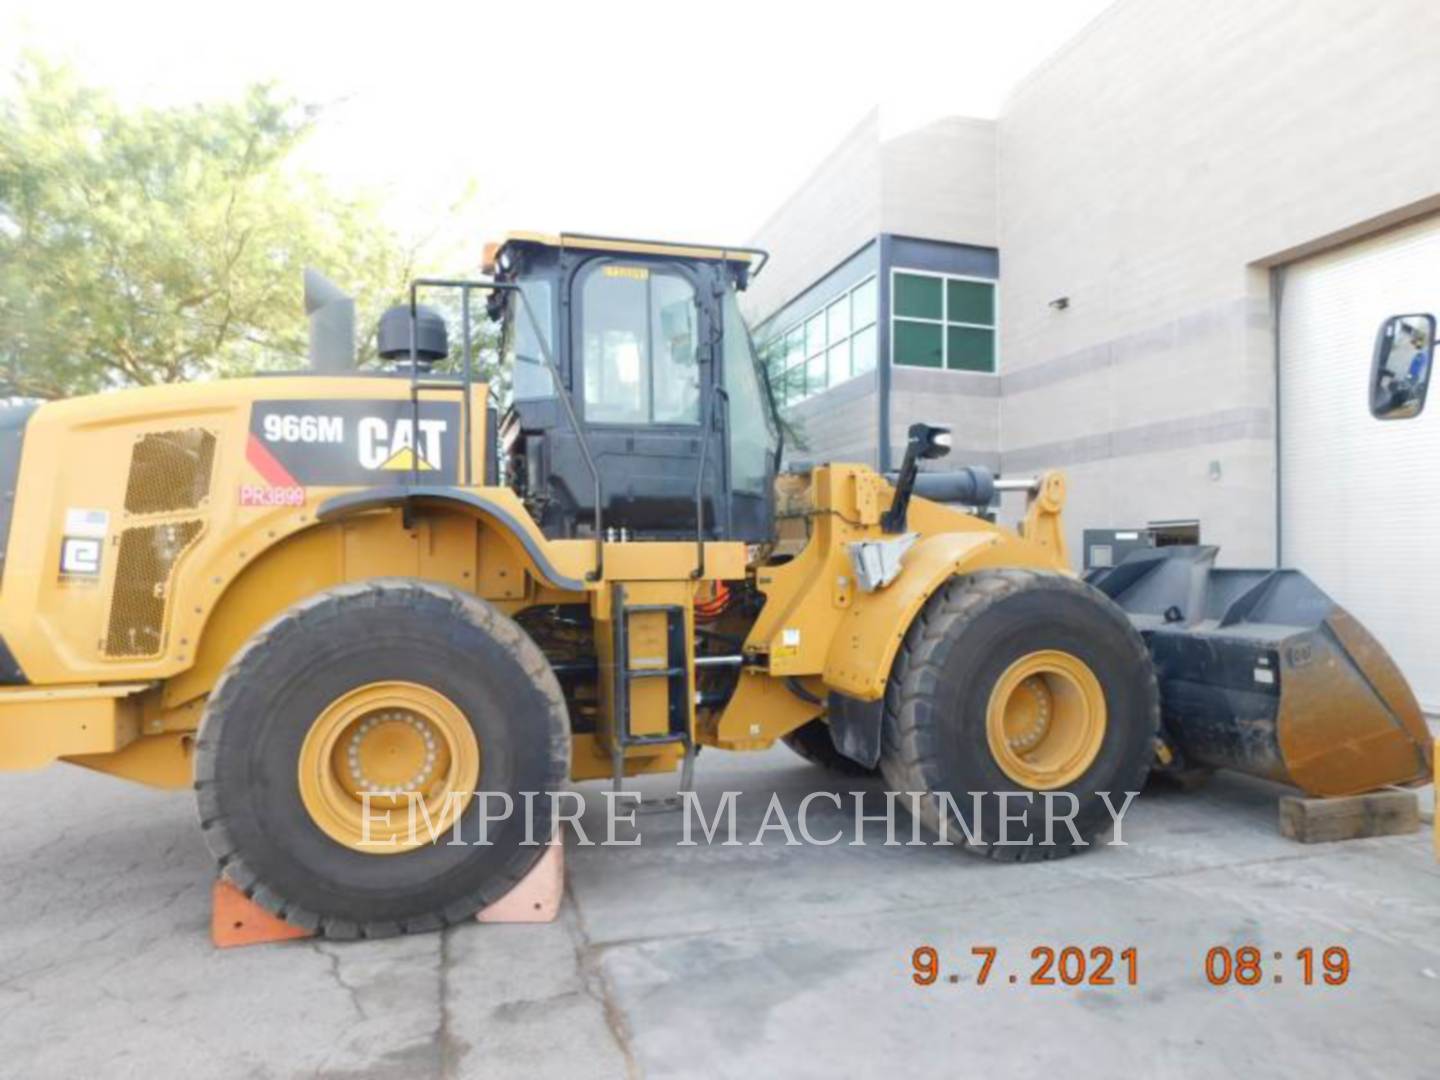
(142, 585)
(170, 470)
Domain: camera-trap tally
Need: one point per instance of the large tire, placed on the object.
(813, 743)
(969, 636)
(249, 785)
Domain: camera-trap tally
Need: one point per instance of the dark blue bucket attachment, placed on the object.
(1263, 673)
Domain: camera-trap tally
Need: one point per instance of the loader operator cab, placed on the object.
(670, 401)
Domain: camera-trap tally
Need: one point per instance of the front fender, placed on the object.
(863, 650)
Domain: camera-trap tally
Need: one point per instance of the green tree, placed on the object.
(158, 245)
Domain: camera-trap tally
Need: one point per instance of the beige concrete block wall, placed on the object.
(831, 215)
(1152, 172)
(969, 403)
(842, 424)
(938, 181)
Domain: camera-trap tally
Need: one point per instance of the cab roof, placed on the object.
(752, 259)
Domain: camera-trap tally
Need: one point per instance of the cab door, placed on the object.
(643, 356)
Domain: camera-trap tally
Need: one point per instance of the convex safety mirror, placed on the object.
(1400, 374)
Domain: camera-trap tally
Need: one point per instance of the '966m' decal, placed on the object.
(301, 443)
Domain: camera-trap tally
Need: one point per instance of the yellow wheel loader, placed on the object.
(334, 599)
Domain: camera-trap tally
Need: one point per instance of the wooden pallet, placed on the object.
(1350, 817)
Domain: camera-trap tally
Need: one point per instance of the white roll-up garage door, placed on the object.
(1360, 497)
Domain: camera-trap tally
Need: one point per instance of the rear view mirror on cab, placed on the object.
(1400, 374)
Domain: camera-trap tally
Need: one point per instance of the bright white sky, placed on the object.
(653, 119)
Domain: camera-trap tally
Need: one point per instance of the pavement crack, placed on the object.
(596, 985)
(450, 1048)
(508, 1009)
(352, 992)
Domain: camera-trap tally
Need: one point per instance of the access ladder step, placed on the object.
(656, 673)
(675, 671)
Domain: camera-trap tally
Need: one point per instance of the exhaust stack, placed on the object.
(332, 325)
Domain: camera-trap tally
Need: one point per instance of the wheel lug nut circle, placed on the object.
(419, 781)
(1035, 732)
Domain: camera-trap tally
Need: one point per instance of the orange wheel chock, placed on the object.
(237, 920)
(536, 899)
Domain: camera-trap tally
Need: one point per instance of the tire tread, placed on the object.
(909, 741)
(315, 611)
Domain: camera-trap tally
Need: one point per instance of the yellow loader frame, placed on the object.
(241, 566)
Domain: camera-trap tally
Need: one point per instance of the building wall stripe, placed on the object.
(1253, 313)
(1182, 433)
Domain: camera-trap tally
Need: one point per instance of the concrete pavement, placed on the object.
(727, 961)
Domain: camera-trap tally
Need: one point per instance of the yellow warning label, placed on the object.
(639, 273)
(788, 645)
(404, 460)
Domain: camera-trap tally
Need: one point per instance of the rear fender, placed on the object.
(509, 520)
(459, 540)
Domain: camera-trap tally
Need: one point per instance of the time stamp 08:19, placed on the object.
(1101, 965)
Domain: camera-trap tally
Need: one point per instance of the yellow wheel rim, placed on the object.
(401, 744)
(1046, 719)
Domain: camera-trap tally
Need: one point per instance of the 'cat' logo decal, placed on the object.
(295, 444)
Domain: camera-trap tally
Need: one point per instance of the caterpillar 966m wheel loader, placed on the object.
(313, 598)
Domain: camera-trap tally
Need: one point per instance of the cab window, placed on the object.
(639, 330)
(521, 350)
(753, 440)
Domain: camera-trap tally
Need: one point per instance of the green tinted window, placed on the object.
(918, 297)
(815, 374)
(862, 305)
(795, 384)
(862, 356)
(832, 344)
(772, 354)
(919, 344)
(838, 319)
(970, 302)
(958, 331)
(794, 347)
(815, 335)
(839, 356)
(970, 349)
